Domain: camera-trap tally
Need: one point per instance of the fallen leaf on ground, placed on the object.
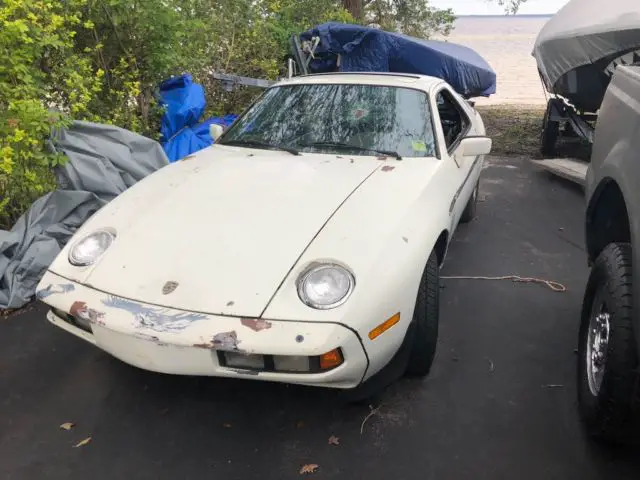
(82, 443)
(310, 468)
(492, 367)
(333, 440)
(67, 426)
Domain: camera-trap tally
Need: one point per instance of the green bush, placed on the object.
(101, 60)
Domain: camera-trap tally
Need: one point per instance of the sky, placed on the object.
(488, 7)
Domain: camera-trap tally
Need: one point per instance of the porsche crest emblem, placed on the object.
(169, 287)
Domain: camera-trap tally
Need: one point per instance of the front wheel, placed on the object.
(608, 360)
(425, 319)
(418, 349)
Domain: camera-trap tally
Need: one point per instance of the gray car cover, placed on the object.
(585, 32)
(103, 161)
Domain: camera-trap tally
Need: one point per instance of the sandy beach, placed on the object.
(506, 43)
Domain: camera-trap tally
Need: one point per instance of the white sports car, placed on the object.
(303, 247)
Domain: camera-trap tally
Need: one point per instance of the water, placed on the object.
(506, 43)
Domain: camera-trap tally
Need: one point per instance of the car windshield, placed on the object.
(338, 118)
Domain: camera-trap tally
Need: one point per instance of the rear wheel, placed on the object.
(608, 360)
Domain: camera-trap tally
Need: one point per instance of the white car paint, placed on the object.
(212, 227)
(235, 227)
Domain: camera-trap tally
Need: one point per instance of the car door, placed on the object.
(455, 124)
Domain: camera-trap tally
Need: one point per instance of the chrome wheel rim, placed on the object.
(597, 346)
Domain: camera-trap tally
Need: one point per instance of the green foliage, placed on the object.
(34, 35)
(96, 60)
(101, 60)
(412, 17)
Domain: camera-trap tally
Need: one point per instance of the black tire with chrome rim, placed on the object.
(607, 355)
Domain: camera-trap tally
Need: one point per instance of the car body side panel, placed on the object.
(469, 168)
(616, 157)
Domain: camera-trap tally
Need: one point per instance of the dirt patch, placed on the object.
(6, 313)
(515, 130)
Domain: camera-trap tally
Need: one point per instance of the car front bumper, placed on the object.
(172, 341)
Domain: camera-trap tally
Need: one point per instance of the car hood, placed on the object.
(218, 232)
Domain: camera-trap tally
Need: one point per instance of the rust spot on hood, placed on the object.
(256, 324)
(387, 168)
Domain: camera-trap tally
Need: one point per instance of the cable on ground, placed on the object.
(555, 286)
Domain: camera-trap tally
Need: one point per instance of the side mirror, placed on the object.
(475, 146)
(216, 130)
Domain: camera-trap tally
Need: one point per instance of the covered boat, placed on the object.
(355, 48)
(577, 52)
(578, 48)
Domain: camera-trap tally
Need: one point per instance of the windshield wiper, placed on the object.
(256, 143)
(354, 147)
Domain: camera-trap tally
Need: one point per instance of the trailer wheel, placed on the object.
(549, 133)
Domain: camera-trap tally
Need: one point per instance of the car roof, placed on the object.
(423, 82)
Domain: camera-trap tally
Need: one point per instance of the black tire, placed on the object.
(469, 212)
(425, 320)
(550, 132)
(607, 410)
(417, 351)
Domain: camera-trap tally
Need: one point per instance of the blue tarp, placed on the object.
(184, 103)
(364, 49)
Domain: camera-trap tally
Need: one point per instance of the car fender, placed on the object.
(386, 243)
(610, 170)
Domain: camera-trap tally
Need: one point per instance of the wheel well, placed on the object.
(441, 246)
(607, 219)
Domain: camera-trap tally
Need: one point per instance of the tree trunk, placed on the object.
(354, 7)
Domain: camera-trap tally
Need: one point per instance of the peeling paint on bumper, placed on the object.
(186, 343)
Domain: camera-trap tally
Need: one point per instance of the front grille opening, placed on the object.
(80, 323)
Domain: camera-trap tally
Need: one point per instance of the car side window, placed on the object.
(454, 121)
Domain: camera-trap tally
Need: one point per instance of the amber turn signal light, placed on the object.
(331, 359)
(384, 326)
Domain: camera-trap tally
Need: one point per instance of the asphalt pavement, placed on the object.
(500, 402)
